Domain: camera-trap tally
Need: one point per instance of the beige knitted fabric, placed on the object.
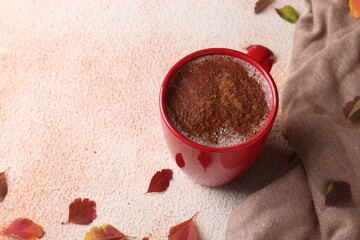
(324, 75)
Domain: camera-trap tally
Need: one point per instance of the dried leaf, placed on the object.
(355, 7)
(146, 238)
(82, 211)
(105, 232)
(351, 107)
(184, 231)
(261, 5)
(355, 109)
(337, 193)
(160, 181)
(3, 186)
(179, 160)
(288, 13)
(24, 228)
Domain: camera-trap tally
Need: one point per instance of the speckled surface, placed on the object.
(79, 117)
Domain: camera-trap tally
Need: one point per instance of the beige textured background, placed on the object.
(79, 84)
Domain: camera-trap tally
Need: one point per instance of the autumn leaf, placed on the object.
(146, 238)
(288, 13)
(179, 160)
(184, 231)
(3, 186)
(105, 232)
(351, 107)
(355, 7)
(337, 193)
(160, 181)
(24, 228)
(82, 212)
(261, 5)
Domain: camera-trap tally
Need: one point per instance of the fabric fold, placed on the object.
(324, 74)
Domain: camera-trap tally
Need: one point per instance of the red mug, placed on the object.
(216, 166)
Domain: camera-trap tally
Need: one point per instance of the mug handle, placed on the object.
(264, 56)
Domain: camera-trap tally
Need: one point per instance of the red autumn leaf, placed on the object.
(355, 7)
(3, 186)
(351, 107)
(25, 229)
(184, 231)
(146, 238)
(337, 193)
(160, 181)
(261, 5)
(82, 211)
(179, 160)
(105, 232)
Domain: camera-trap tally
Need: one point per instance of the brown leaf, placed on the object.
(105, 232)
(82, 212)
(3, 186)
(261, 5)
(337, 193)
(23, 228)
(351, 107)
(184, 231)
(160, 181)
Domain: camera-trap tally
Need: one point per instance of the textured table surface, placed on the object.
(79, 117)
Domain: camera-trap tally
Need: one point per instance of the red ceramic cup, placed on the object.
(216, 166)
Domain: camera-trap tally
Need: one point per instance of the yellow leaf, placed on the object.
(355, 7)
(355, 109)
(105, 231)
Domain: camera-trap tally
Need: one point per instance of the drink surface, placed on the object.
(218, 100)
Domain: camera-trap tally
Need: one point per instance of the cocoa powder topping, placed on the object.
(214, 98)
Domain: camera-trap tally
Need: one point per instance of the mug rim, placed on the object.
(218, 51)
